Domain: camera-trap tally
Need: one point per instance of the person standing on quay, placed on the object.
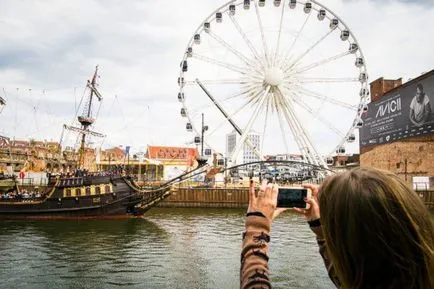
(374, 232)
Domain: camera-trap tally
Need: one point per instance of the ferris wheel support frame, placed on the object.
(229, 119)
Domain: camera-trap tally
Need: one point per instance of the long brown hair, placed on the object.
(379, 234)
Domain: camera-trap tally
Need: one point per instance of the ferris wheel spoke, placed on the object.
(238, 54)
(288, 53)
(197, 111)
(326, 79)
(261, 28)
(294, 129)
(279, 34)
(246, 131)
(308, 148)
(243, 80)
(267, 105)
(282, 129)
(221, 63)
(318, 63)
(248, 92)
(247, 41)
(297, 98)
(319, 96)
(297, 60)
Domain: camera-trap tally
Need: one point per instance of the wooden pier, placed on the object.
(237, 197)
(208, 198)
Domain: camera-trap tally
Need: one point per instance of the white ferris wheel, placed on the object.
(289, 72)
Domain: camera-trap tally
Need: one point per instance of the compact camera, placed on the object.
(293, 197)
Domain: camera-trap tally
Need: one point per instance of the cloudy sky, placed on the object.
(50, 48)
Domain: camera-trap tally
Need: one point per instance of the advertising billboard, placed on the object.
(402, 113)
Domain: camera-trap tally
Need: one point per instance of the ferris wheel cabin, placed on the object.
(246, 4)
(261, 3)
(344, 35)
(340, 150)
(353, 48)
(183, 112)
(334, 23)
(208, 152)
(292, 4)
(189, 127)
(359, 62)
(329, 161)
(307, 7)
(277, 3)
(232, 9)
(189, 52)
(359, 123)
(351, 138)
(364, 92)
(207, 27)
(181, 81)
(180, 96)
(184, 66)
(197, 139)
(321, 14)
(363, 77)
(218, 17)
(196, 38)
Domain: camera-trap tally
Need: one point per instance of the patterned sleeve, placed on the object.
(254, 255)
(324, 254)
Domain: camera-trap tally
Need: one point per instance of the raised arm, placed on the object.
(254, 272)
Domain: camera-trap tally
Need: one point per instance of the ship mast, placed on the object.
(86, 119)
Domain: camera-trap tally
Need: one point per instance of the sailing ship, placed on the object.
(82, 194)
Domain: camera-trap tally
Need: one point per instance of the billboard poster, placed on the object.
(402, 113)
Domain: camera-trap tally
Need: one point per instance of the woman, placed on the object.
(374, 232)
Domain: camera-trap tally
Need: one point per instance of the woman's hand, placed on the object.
(312, 213)
(266, 200)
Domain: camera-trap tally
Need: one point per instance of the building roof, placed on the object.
(171, 153)
(412, 81)
(19, 143)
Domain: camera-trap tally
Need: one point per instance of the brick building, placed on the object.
(407, 149)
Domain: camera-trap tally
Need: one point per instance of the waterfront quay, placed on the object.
(234, 197)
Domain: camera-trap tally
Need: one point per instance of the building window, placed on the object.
(107, 189)
(98, 190)
(78, 192)
(398, 165)
(68, 192)
(87, 191)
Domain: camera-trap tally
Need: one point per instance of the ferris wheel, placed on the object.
(274, 77)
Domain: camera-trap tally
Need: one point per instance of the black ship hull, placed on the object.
(77, 198)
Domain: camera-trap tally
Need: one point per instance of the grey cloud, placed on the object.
(418, 2)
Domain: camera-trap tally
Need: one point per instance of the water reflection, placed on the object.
(171, 248)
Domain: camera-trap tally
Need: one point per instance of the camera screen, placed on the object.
(288, 198)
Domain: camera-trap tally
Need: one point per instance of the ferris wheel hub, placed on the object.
(273, 76)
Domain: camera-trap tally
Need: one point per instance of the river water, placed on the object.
(170, 248)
